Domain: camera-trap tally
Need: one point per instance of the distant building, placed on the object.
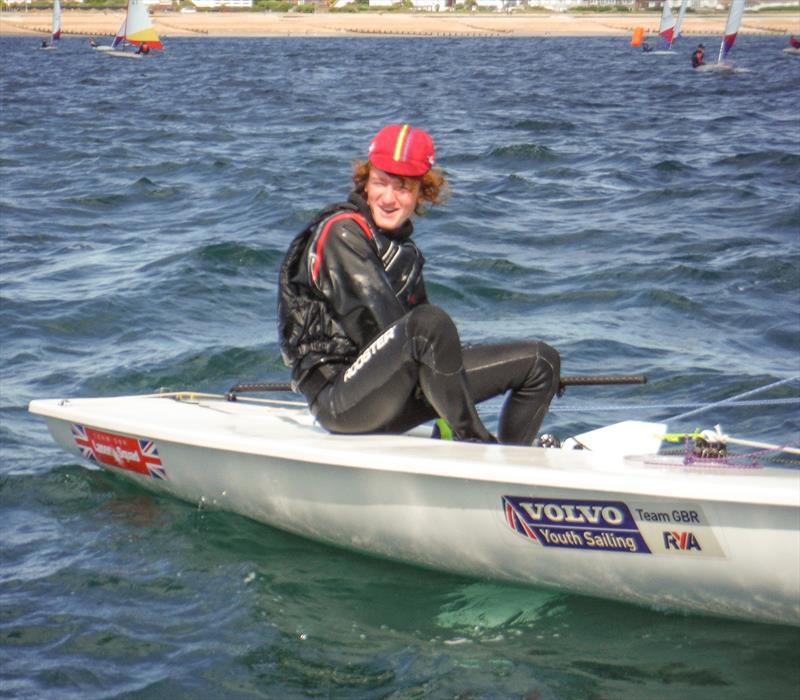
(217, 4)
(11, 3)
(430, 5)
(563, 5)
(498, 5)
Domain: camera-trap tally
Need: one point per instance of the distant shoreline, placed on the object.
(266, 24)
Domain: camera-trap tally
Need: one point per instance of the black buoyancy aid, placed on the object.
(325, 318)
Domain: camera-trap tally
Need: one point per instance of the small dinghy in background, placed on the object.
(728, 39)
(137, 30)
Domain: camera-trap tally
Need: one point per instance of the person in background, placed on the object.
(698, 57)
(92, 42)
(646, 47)
(794, 42)
(367, 349)
(143, 49)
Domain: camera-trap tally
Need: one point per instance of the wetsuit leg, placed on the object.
(414, 368)
(529, 370)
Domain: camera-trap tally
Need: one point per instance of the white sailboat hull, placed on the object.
(720, 541)
(792, 51)
(123, 54)
(715, 68)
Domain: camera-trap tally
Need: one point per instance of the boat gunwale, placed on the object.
(768, 486)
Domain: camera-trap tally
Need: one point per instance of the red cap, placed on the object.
(401, 149)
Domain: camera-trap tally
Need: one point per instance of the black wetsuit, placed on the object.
(372, 355)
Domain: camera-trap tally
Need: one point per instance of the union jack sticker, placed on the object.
(83, 442)
(516, 521)
(119, 451)
(149, 453)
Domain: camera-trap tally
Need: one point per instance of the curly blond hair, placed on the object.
(434, 187)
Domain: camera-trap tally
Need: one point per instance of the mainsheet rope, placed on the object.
(588, 408)
(734, 398)
(696, 407)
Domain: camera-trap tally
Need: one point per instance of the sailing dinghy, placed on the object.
(119, 39)
(136, 30)
(55, 34)
(614, 519)
(728, 38)
(666, 29)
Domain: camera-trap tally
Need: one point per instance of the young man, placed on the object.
(698, 57)
(366, 348)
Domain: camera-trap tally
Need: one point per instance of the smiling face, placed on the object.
(391, 199)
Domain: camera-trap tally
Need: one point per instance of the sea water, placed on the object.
(636, 215)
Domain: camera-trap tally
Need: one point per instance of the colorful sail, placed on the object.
(119, 37)
(138, 27)
(731, 29)
(667, 28)
(56, 34)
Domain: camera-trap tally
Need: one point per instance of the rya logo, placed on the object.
(682, 541)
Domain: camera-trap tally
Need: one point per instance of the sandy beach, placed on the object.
(267, 24)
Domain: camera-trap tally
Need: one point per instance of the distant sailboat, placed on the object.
(55, 35)
(666, 29)
(728, 38)
(137, 29)
(731, 29)
(119, 38)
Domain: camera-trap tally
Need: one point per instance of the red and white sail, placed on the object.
(731, 29)
(666, 29)
(56, 33)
